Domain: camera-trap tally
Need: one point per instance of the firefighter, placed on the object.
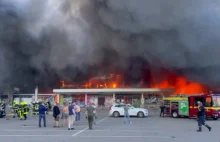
(162, 109)
(20, 111)
(47, 106)
(201, 117)
(3, 105)
(15, 107)
(35, 108)
(2, 109)
(25, 109)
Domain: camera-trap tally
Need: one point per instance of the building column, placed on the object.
(142, 99)
(35, 94)
(85, 99)
(113, 98)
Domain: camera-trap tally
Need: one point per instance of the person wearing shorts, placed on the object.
(56, 113)
(65, 114)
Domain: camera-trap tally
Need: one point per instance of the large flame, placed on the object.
(180, 84)
(108, 81)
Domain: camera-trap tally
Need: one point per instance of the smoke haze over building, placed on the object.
(43, 41)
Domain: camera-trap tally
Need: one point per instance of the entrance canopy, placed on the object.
(113, 91)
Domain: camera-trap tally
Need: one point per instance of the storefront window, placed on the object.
(80, 98)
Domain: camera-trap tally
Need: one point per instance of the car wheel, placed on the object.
(116, 114)
(215, 118)
(140, 114)
(174, 114)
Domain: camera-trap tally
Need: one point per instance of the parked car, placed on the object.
(117, 110)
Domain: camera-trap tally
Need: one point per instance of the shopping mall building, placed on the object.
(106, 97)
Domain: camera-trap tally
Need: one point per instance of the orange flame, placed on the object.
(182, 86)
(114, 86)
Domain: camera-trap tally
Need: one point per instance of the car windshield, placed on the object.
(131, 106)
(216, 101)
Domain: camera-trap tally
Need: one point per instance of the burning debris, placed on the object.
(44, 41)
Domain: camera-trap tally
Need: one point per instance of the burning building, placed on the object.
(44, 42)
(105, 90)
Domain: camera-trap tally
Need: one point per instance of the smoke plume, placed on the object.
(42, 41)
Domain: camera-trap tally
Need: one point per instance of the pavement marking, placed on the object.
(126, 131)
(79, 132)
(30, 126)
(57, 128)
(124, 125)
(75, 134)
(30, 130)
(158, 137)
(35, 135)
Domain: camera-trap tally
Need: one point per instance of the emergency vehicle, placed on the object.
(184, 105)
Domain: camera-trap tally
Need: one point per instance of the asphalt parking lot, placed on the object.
(152, 128)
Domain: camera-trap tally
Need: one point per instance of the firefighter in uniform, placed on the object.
(201, 117)
(15, 107)
(162, 109)
(47, 106)
(2, 110)
(20, 111)
(25, 109)
(35, 108)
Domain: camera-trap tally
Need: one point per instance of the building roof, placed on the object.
(115, 90)
(34, 94)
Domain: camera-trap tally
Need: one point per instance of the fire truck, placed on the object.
(187, 106)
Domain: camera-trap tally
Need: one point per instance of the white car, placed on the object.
(117, 110)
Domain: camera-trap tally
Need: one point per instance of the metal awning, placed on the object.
(115, 90)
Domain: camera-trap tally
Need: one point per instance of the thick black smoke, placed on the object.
(182, 35)
(44, 41)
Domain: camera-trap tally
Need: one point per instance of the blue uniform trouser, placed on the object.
(127, 117)
(201, 121)
(42, 116)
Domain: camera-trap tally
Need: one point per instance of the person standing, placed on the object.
(56, 114)
(95, 114)
(65, 114)
(201, 117)
(162, 109)
(72, 116)
(126, 114)
(25, 109)
(90, 115)
(42, 114)
(77, 109)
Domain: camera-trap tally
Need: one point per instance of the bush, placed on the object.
(137, 103)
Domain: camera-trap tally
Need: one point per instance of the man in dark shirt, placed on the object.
(42, 114)
(162, 109)
(90, 115)
(56, 113)
(201, 117)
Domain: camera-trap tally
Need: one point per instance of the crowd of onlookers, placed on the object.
(69, 113)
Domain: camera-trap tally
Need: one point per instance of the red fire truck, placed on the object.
(184, 105)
